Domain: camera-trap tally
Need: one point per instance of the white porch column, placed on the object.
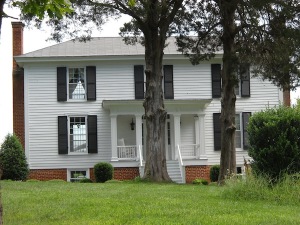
(177, 137)
(202, 136)
(197, 136)
(138, 132)
(114, 137)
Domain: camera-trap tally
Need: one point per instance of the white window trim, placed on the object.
(78, 169)
(85, 85)
(86, 131)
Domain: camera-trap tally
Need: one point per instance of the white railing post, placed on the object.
(180, 161)
(140, 156)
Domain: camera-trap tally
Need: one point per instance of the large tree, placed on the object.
(150, 25)
(37, 8)
(250, 31)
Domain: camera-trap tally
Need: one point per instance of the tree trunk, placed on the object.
(155, 114)
(229, 79)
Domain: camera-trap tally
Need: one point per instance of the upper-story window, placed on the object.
(167, 85)
(242, 89)
(77, 84)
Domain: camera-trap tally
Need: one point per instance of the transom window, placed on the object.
(77, 83)
(78, 142)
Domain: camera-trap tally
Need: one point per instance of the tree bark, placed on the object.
(229, 79)
(155, 113)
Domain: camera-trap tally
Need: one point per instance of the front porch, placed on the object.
(184, 131)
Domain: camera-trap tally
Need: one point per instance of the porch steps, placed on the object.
(174, 171)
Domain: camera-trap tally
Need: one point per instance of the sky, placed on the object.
(33, 40)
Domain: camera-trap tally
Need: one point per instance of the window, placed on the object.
(168, 84)
(77, 174)
(238, 136)
(242, 89)
(76, 83)
(77, 134)
(241, 134)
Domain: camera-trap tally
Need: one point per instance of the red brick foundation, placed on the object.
(126, 173)
(48, 174)
(120, 173)
(193, 172)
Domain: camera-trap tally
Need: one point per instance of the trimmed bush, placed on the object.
(103, 172)
(274, 142)
(214, 173)
(200, 181)
(12, 159)
(85, 180)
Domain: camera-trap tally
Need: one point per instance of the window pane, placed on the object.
(76, 83)
(77, 134)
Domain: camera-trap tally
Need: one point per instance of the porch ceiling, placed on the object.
(178, 106)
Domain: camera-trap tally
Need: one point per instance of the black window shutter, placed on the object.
(92, 134)
(245, 118)
(62, 135)
(216, 80)
(245, 80)
(61, 84)
(168, 82)
(139, 81)
(91, 82)
(217, 131)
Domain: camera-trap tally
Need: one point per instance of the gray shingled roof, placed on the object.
(98, 46)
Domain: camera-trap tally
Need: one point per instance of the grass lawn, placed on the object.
(52, 202)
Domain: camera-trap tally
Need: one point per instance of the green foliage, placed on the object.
(285, 191)
(214, 173)
(200, 181)
(40, 8)
(274, 142)
(85, 180)
(103, 172)
(12, 159)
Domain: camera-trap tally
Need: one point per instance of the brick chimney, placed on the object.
(18, 83)
(286, 98)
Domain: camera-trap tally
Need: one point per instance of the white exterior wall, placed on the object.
(115, 81)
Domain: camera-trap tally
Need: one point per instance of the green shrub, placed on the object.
(200, 181)
(85, 180)
(274, 142)
(12, 159)
(214, 173)
(103, 172)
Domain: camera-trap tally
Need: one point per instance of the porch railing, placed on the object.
(128, 152)
(189, 151)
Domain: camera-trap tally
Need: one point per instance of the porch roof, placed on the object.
(135, 107)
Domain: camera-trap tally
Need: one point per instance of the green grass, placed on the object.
(46, 203)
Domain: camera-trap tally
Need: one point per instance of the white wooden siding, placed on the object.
(115, 81)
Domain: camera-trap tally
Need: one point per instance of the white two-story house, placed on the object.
(83, 104)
